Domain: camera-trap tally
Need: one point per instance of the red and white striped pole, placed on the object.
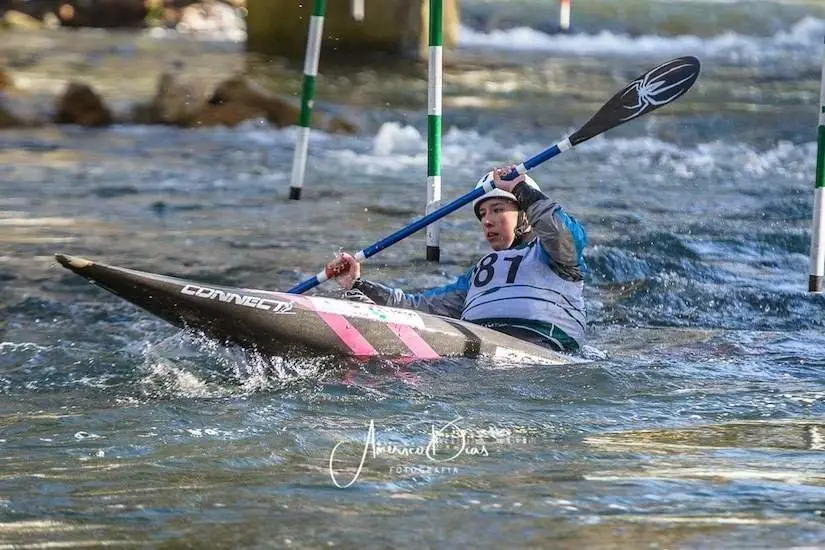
(564, 15)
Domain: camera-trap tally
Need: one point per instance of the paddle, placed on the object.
(655, 88)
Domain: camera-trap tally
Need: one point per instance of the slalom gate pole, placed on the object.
(565, 9)
(817, 275)
(311, 57)
(358, 10)
(435, 80)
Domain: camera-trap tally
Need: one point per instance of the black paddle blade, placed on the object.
(657, 87)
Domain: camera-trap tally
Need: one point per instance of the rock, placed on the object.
(51, 21)
(187, 103)
(13, 19)
(227, 114)
(240, 89)
(103, 13)
(6, 81)
(338, 125)
(8, 118)
(79, 104)
(177, 101)
(33, 8)
(212, 18)
(221, 14)
(278, 111)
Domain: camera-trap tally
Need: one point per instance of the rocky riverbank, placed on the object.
(225, 16)
(142, 70)
(178, 100)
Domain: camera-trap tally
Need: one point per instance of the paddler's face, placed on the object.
(499, 218)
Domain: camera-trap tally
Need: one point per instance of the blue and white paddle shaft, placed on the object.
(401, 234)
(817, 275)
(423, 222)
(655, 88)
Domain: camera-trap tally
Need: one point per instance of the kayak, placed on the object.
(277, 323)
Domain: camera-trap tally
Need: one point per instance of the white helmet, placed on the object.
(488, 177)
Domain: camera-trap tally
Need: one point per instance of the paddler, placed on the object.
(529, 286)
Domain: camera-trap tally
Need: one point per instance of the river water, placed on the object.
(700, 423)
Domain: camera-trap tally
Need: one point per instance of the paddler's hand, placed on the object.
(344, 269)
(506, 185)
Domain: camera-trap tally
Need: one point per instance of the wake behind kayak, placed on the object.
(276, 323)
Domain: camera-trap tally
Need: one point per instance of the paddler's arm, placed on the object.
(447, 300)
(561, 235)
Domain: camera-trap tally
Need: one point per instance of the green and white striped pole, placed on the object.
(435, 79)
(817, 277)
(311, 57)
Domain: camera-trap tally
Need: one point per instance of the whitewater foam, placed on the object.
(801, 41)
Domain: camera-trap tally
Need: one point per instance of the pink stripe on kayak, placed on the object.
(418, 346)
(342, 328)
